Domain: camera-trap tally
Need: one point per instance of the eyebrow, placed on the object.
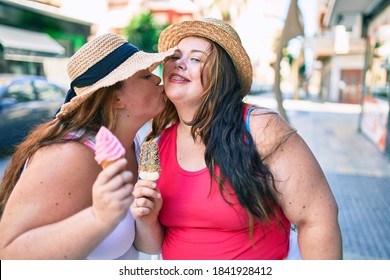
(195, 51)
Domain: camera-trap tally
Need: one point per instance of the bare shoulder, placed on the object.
(269, 130)
(64, 160)
(71, 161)
(68, 151)
(59, 176)
(56, 184)
(303, 189)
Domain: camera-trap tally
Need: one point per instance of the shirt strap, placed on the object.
(248, 108)
(86, 141)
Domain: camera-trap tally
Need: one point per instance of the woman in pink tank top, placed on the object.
(233, 179)
(63, 205)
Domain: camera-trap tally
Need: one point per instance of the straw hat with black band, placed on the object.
(102, 62)
(217, 31)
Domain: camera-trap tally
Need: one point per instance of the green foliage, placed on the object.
(288, 55)
(302, 69)
(143, 32)
(378, 44)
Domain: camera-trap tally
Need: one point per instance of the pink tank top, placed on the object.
(201, 225)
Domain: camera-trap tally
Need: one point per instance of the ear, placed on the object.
(119, 104)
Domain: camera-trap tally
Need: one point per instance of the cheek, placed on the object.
(150, 95)
(205, 75)
(143, 101)
(168, 66)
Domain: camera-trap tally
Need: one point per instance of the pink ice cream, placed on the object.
(108, 148)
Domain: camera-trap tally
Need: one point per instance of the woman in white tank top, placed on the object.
(56, 201)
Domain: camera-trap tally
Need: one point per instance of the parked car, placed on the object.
(25, 101)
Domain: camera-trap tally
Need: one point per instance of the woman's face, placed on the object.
(141, 96)
(183, 72)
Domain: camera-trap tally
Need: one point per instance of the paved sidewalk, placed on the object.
(358, 173)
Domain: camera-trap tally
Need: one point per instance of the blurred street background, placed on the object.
(324, 65)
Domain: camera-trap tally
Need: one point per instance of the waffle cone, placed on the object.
(107, 163)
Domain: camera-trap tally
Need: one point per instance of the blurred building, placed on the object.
(352, 50)
(259, 22)
(172, 11)
(68, 24)
(33, 33)
(118, 13)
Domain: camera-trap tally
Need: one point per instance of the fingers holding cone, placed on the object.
(147, 201)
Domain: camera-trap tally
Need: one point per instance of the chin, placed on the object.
(174, 95)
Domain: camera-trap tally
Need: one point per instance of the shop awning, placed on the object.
(25, 42)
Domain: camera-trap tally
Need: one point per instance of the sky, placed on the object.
(308, 9)
(259, 22)
(258, 26)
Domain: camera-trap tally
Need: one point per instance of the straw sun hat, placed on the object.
(218, 31)
(102, 62)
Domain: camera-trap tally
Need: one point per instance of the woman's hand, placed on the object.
(145, 209)
(111, 193)
(147, 202)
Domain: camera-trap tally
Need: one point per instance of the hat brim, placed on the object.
(137, 62)
(173, 34)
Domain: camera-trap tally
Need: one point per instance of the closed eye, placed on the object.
(174, 57)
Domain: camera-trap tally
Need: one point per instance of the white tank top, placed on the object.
(119, 243)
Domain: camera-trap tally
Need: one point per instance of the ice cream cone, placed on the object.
(108, 148)
(107, 163)
(149, 168)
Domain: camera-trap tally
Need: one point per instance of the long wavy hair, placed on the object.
(96, 111)
(229, 145)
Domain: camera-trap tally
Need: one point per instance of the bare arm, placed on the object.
(51, 213)
(145, 209)
(305, 195)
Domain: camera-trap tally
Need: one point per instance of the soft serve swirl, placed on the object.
(108, 147)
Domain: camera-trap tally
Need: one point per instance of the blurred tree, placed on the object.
(293, 27)
(226, 6)
(143, 32)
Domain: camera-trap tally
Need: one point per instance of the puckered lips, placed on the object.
(176, 78)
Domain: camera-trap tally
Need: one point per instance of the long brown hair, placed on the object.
(229, 145)
(96, 111)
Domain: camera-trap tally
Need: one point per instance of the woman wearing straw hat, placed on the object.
(234, 177)
(56, 202)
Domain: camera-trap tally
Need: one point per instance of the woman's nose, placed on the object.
(180, 63)
(157, 78)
